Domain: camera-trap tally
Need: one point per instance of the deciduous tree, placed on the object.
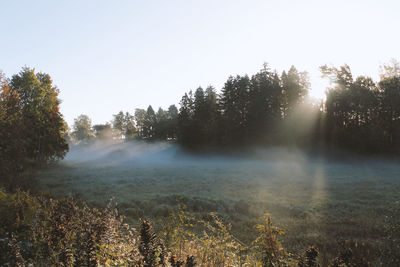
(82, 129)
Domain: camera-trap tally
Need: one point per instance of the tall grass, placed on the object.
(41, 231)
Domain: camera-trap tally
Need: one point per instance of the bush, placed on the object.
(48, 232)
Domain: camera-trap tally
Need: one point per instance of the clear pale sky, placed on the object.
(107, 56)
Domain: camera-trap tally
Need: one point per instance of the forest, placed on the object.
(265, 110)
(269, 109)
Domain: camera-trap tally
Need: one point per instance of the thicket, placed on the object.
(43, 231)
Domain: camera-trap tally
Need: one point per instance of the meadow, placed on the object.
(316, 200)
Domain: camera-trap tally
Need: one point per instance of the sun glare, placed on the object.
(318, 93)
(318, 88)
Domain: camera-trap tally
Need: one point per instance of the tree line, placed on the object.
(361, 114)
(142, 125)
(272, 109)
(267, 108)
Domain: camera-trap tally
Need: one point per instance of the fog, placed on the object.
(137, 153)
(316, 198)
(291, 161)
(119, 152)
(276, 167)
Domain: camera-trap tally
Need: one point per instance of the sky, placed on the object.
(107, 56)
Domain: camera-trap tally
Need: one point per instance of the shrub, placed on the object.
(268, 249)
(48, 232)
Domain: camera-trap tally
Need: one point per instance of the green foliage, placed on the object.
(82, 129)
(17, 211)
(149, 123)
(248, 111)
(266, 109)
(49, 232)
(178, 232)
(40, 113)
(129, 126)
(217, 246)
(123, 126)
(185, 117)
(103, 131)
(172, 122)
(234, 104)
(13, 148)
(267, 246)
(352, 108)
(119, 125)
(157, 126)
(295, 89)
(32, 130)
(390, 113)
(140, 117)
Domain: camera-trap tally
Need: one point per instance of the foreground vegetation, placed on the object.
(42, 231)
(316, 201)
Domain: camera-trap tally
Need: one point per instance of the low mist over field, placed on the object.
(316, 199)
(134, 153)
(119, 152)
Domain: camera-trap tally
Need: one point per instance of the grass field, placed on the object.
(315, 200)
